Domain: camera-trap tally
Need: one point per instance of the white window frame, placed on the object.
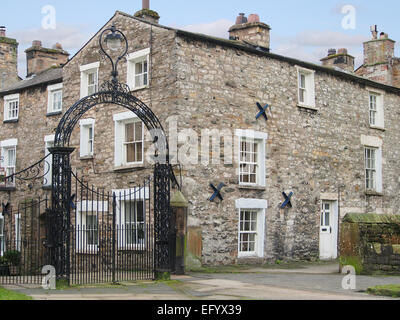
(85, 126)
(17, 232)
(260, 206)
(120, 121)
(5, 146)
(309, 87)
(2, 236)
(85, 71)
(260, 138)
(380, 109)
(369, 142)
(82, 210)
(48, 166)
(7, 101)
(50, 100)
(133, 59)
(131, 195)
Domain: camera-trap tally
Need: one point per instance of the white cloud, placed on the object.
(217, 28)
(329, 38)
(72, 38)
(312, 46)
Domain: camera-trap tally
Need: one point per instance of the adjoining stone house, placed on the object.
(330, 138)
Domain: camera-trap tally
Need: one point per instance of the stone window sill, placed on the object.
(140, 88)
(86, 158)
(129, 168)
(258, 188)
(378, 128)
(11, 121)
(373, 193)
(303, 106)
(53, 114)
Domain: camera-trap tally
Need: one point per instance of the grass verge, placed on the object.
(391, 290)
(11, 295)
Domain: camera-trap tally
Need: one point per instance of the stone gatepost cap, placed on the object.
(179, 200)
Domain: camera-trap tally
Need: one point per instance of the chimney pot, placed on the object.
(145, 4)
(58, 46)
(384, 35)
(36, 43)
(254, 18)
(374, 31)
(241, 19)
(331, 52)
(2, 31)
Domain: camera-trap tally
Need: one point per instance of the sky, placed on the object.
(300, 29)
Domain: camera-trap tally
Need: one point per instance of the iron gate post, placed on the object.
(59, 226)
(114, 222)
(162, 220)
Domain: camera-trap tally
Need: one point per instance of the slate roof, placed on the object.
(53, 75)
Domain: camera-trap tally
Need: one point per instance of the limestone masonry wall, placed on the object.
(312, 152)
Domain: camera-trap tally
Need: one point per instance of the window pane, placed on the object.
(138, 68)
(138, 131)
(139, 152)
(129, 131)
(248, 230)
(327, 218)
(138, 82)
(11, 157)
(302, 81)
(130, 153)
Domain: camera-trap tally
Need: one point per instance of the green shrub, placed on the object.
(14, 257)
(3, 261)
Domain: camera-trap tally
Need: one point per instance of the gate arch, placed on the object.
(110, 93)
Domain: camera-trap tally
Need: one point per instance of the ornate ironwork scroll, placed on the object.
(37, 171)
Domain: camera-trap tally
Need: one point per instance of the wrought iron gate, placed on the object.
(112, 234)
(23, 242)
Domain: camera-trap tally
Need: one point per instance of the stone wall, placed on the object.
(204, 84)
(160, 96)
(309, 152)
(31, 128)
(8, 62)
(371, 243)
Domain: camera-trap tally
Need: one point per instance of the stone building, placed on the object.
(380, 64)
(8, 60)
(328, 140)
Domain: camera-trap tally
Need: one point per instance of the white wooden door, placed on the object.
(328, 230)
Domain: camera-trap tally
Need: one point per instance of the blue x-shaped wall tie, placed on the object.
(217, 192)
(287, 200)
(263, 111)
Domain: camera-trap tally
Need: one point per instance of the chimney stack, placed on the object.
(8, 60)
(251, 31)
(340, 59)
(40, 59)
(380, 64)
(378, 51)
(147, 14)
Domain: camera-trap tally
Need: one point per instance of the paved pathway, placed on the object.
(311, 283)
